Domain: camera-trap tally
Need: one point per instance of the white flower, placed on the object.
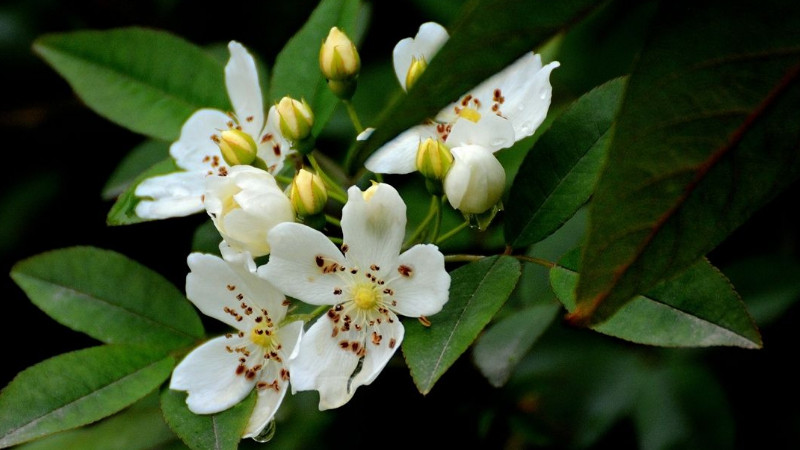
(500, 111)
(196, 150)
(417, 50)
(244, 205)
(369, 283)
(223, 371)
(477, 182)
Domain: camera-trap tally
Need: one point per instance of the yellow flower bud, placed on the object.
(308, 193)
(296, 118)
(415, 70)
(338, 57)
(433, 159)
(237, 147)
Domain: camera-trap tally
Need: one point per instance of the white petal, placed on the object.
(241, 79)
(399, 156)
(426, 290)
(429, 39)
(294, 263)
(214, 284)
(273, 147)
(176, 194)
(476, 180)
(526, 90)
(322, 365)
(491, 132)
(269, 400)
(373, 229)
(378, 355)
(208, 374)
(194, 149)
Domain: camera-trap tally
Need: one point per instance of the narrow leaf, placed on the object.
(706, 135)
(123, 211)
(558, 175)
(296, 72)
(145, 80)
(204, 431)
(77, 388)
(697, 309)
(487, 36)
(501, 347)
(142, 157)
(109, 297)
(477, 291)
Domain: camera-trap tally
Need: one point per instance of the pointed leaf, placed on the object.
(558, 175)
(296, 72)
(142, 157)
(706, 135)
(109, 297)
(77, 388)
(501, 347)
(123, 211)
(487, 36)
(145, 80)
(697, 309)
(477, 291)
(204, 431)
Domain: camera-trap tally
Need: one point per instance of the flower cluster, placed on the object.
(276, 246)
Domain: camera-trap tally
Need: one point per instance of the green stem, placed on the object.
(452, 232)
(307, 317)
(351, 111)
(437, 223)
(283, 179)
(471, 258)
(424, 224)
(334, 190)
(336, 240)
(333, 220)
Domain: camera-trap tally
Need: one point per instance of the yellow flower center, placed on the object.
(365, 296)
(262, 336)
(470, 114)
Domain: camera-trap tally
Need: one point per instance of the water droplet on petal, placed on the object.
(543, 94)
(525, 128)
(266, 434)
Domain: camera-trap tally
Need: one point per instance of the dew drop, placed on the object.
(266, 434)
(543, 94)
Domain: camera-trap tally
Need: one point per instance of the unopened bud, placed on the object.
(237, 147)
(308, 193)
(296, 118)
(338, 57)
(415, 70)
(433, 159)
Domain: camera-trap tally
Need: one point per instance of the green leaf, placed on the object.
(109, 297)
(123, 211)
(558, 175)
(477, 291)
(139, 427)
(706, 135)
(142, 157)
(220, 431)
(296, 72)
(501, 347)
(145, 80)
(77, 388)
(488, 36)
(699, 308)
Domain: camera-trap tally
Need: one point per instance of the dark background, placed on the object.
(57, 155)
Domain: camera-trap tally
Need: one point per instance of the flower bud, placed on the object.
(308, 193)
(338, 57)
(414, 71)
(244, 206)
(476, 181)
(237, 147)
(433, 159)
(296, 118)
